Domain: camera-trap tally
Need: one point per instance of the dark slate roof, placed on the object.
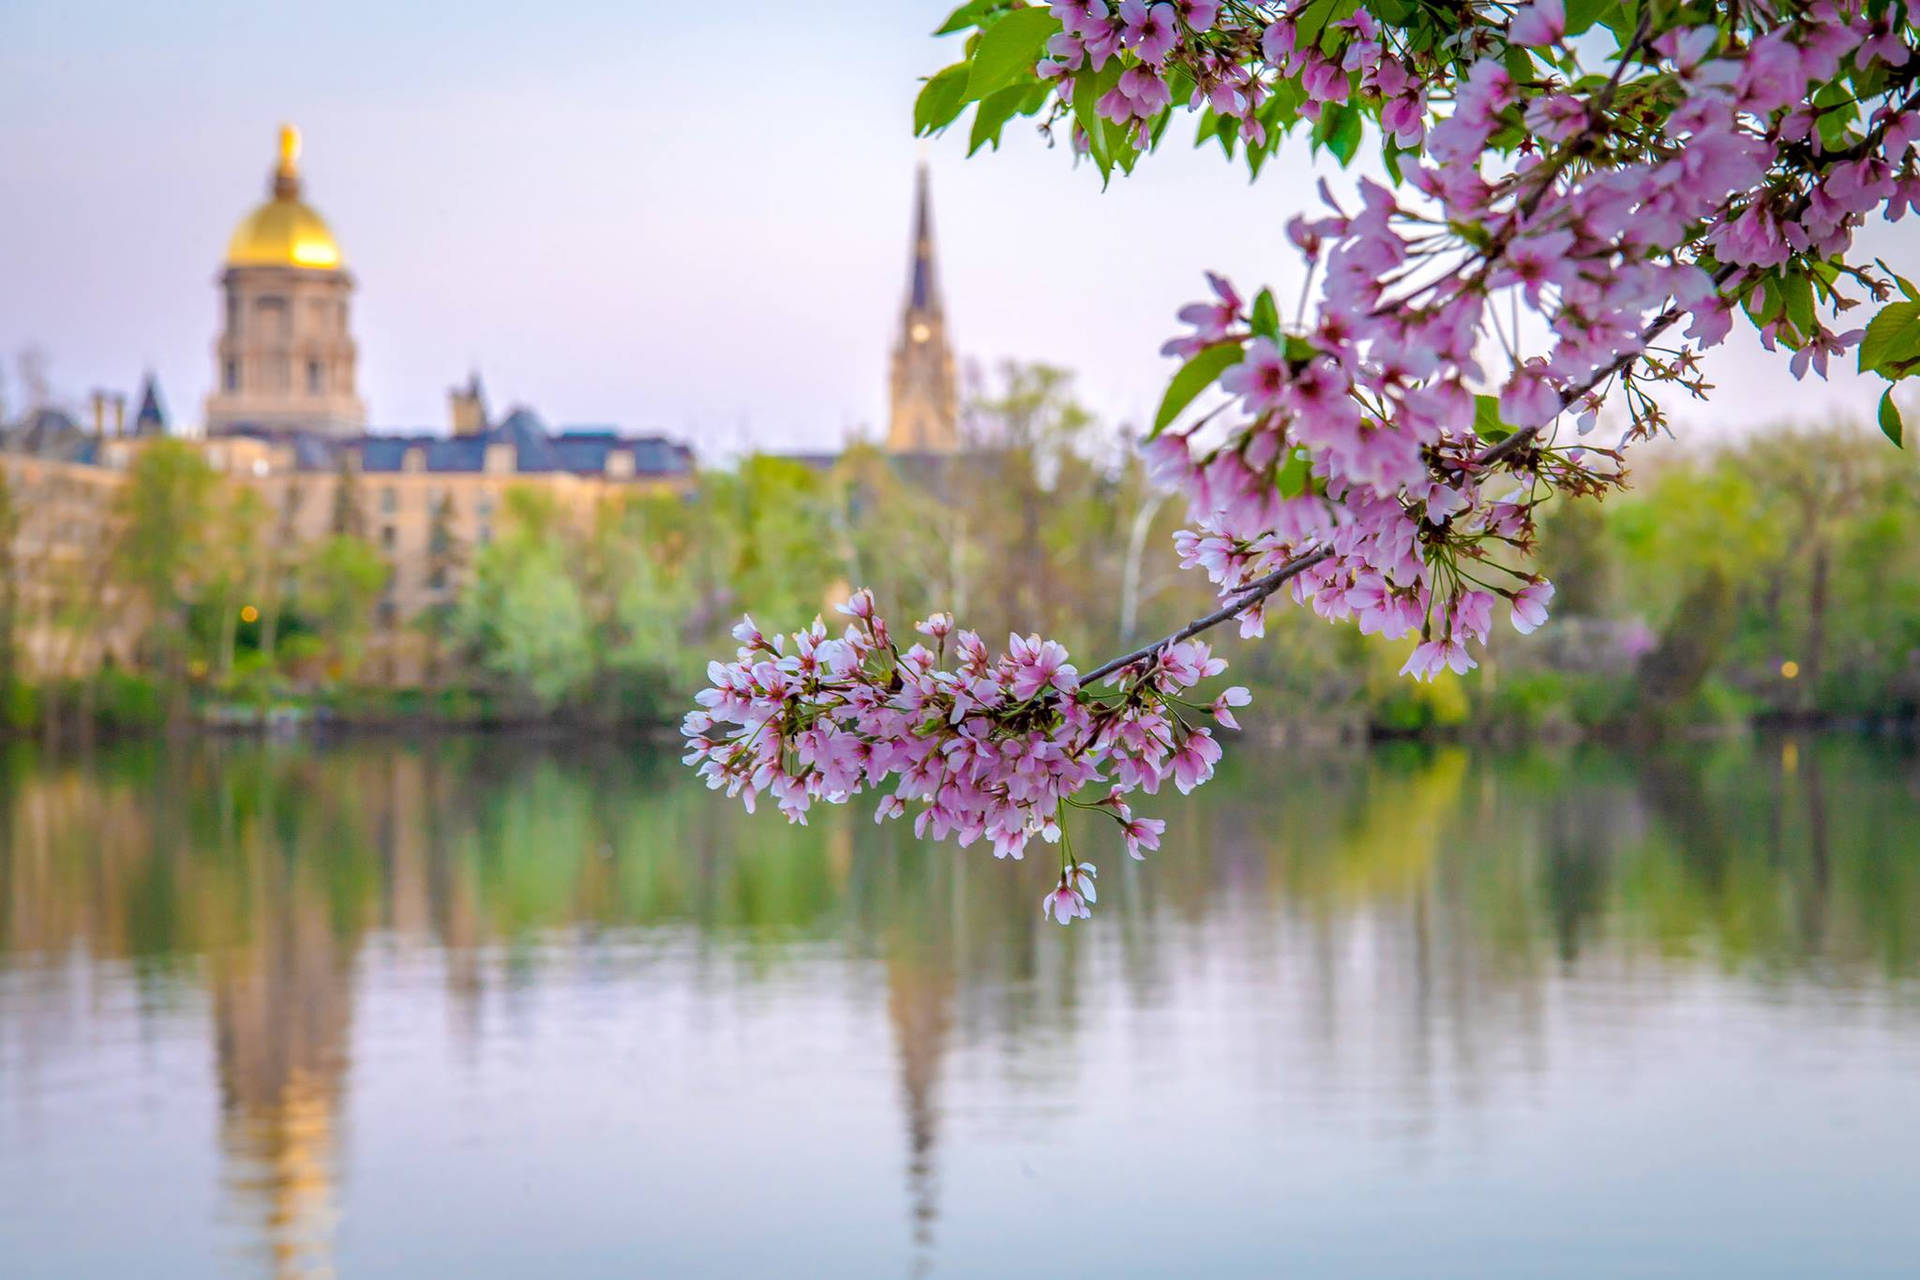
(576, 450)
(52, 434)
(311, 450)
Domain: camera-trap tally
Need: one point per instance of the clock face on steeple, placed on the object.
(920, 331)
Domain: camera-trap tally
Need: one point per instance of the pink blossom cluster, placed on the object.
(1425, 521)
(977, 747)
(1231, 56)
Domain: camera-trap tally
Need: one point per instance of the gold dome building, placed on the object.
(285, 357)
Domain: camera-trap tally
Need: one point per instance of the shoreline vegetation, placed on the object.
(1770, 580)
(143, 713)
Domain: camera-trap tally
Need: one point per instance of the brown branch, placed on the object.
(1253, 593)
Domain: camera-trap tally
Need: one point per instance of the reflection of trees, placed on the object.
(1405, 912)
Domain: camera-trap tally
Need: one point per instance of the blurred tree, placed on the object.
(339, 583)
(1690, 648)
(161, 554)
(1575, 553)
(523, 616)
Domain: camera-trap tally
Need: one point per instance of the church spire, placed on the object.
(923, 290)
(924, 417)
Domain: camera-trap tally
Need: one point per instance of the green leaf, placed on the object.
(1009, 51)
(967, 15)
(1582, 14)
(992, 115)
(1120, 145)
(1345, 140)
(1798, 294)
(1088, 88)
(1195, 376)
(1486, 420)
(1390, 154)
(1291, 479)
(1763, 301)
(1331, 37)
(940, 101)
(1890, 422)
(1892, 344)
(1621, 19)
(1179, 85)
(1311, 20)
(1266, 315)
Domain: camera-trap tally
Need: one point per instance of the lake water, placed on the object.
(474, 1008)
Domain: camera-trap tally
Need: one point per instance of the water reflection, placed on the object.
(1408, 937)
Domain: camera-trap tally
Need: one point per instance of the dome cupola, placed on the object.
(285, 231)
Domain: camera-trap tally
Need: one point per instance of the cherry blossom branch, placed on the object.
(1253, 593)
(1260, 588)
(1696, 178)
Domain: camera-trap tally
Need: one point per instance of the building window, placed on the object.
(485, 505)
(272, 312)
(387, 537)
(437, 580)
(389, 501)
(385, 613)
(316, 378)
(486, 534)
(230, 375)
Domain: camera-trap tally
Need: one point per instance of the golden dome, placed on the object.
(285, 231)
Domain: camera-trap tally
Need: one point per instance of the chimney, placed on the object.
(119, 414)
(99, 399)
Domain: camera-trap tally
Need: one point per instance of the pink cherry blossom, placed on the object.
(1530, 605)
(1148, 29)
(1540, 22)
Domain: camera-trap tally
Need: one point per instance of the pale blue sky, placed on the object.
(689, 218)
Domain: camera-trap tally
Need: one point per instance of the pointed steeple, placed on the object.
(923, 289)
(924, 417)
(151, 420)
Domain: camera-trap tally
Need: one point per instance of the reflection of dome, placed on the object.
(285, 231)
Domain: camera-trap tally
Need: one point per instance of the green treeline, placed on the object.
(1777, 575)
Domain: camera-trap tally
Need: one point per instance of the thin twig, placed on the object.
(1251, 594)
